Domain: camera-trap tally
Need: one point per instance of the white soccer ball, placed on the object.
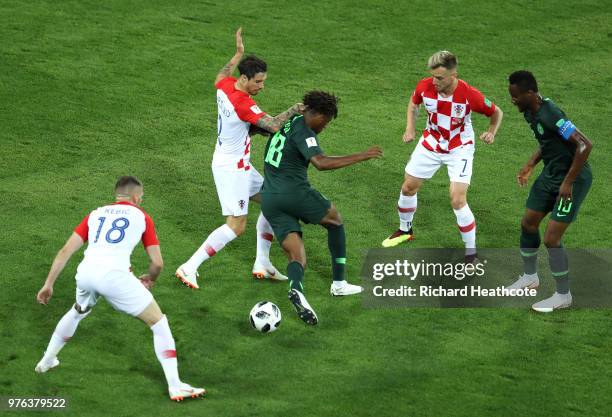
(265, 316)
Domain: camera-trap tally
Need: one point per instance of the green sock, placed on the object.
(336, 241)
(557, 259)
(295, 271)
(530, 242)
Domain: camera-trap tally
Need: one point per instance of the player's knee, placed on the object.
(237, 224)
(529, 225)
(239, 229)
(332, 218)
(332, 221)
(458, 201)
(409, 189)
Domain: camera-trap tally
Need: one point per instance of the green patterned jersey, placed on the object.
(287, 157)
(552, 130)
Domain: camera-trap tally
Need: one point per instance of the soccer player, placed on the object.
(113, 231)
(287, 196)
(236, 180)
(448, 139)
(560, 188)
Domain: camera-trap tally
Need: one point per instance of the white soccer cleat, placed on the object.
(555, 302)
(189, 279)
(43, 366)
(525, 281)
(339, 288)
(262, 270)
(185, 391)
(303, 309)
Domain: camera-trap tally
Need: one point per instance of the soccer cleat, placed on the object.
(339, 288)
(555, 302)
(306, 313)
(262, 270)
(398, 237)
(525, 281)
(43, 366)
(190, 280)
(185, 391)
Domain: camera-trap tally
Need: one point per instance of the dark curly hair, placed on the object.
(524, 80)
(322, 103)
(251, 65)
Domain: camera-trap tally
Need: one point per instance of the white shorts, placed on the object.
(235, 187)
(424, 163)
(121, 289)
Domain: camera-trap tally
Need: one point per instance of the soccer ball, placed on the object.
(265, 316)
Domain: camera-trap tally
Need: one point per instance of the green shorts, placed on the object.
(284, 211)
(544, 197)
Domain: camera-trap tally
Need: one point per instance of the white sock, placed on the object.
(265, 235)
(166, 351)
(467, 227)
(406, 206)
(64, 330)
(220, 237)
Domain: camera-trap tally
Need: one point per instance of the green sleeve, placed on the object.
(308, 145)
(556, 121)
(552, 116)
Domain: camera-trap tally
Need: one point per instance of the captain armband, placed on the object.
(565, 128)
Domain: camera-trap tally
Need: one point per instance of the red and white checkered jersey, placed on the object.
(449, 122)
(237, 111)
(112, 232)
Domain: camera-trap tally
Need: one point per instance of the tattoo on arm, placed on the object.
(227, 70)
(268, 123)
(273, 124)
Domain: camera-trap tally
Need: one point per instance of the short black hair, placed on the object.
(524, 80)
(251, 65)
(322, 103)
(127, 181)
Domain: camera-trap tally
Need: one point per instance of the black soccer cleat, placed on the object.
(303, 309)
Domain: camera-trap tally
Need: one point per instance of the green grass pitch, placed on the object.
(93, 90)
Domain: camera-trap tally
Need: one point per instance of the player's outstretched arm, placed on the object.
(227, 70)
(324, 162)
(155, 266)
(72, 245)
(488, 137)
(411, 115)
(583, 149)
(523, 176)
(273, 124)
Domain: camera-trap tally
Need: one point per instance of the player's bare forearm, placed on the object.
(583, 149)
(73, 244)
(56, 268)
(157, 263)
(496, 119)
(228, 69)
(273, 124)
(535, 158)
(325, 163)
(411, 115)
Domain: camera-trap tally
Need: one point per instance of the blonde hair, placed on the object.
(444, 59)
